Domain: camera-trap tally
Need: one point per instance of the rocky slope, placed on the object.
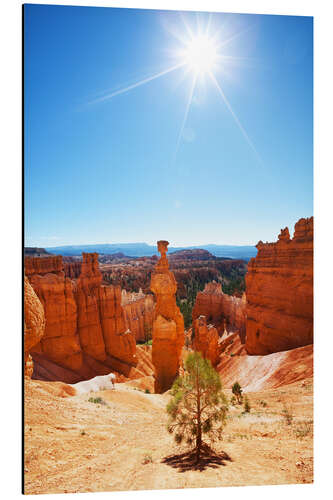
(279, 290)
(168, 326)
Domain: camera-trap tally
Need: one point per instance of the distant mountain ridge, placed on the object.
(245, 252)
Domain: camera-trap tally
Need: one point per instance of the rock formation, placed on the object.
(72, 268)
(206, 340)
(84, 319)
(224, 311)
(34, 324)
(88, 314)
(139, 314)
(60, 342)
(168, 326)
(279, 290)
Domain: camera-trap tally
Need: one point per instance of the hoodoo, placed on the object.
(279, 291)
(206, 340)
(168, 326)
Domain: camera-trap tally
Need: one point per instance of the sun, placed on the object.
(200, 54)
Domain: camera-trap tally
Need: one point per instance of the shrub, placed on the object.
(233, 400)
(147, 391)
(98, 401)
(247, 406)
(198, 405)
(304, 429)
(147, 459)
(287, 413)
(237, 391)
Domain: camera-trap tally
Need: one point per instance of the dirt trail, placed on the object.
(73, 445)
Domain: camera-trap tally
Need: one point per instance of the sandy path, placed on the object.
(74, 445)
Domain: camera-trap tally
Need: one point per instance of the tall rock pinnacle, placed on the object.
(168, 326)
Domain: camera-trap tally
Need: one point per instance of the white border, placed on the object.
(10, 199)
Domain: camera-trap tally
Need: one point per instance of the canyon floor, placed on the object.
(73, 445)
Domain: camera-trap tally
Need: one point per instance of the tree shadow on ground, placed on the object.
(187, 461)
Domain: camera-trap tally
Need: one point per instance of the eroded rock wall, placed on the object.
(279, 290)
(206, 340)
(168, 326)
(60, 342)
(222, 310)
(139, 314)
(84, 319)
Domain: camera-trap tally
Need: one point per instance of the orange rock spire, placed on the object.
(168, 326)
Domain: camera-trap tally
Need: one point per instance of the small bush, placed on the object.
(83, 432)
(232, 354)
(287, 413)
(237, 391)
(98, 401)
(233, 400)
(247, 406)
(263, 404)
(147, 391)
(147, 459)
(304, 429)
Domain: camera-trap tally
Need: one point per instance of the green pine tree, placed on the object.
(198, 406)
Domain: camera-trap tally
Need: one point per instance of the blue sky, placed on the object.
(102, 169)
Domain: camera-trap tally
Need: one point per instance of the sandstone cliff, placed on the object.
(168, 326)
(60, 341)
(34, 324)
(206, 340)
(139, 314)
(279, 289)
(224, 311)
(85, 321)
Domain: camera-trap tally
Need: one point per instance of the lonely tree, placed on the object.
(198, 406)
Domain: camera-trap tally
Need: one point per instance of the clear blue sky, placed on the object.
(114, 170)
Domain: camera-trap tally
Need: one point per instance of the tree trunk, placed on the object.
(199, 434)
(199, 443)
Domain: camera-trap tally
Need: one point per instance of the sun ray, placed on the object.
(188, 105)
(208, 25)
(137, 84)
(223, 43)
(187, 27)
(235, 117)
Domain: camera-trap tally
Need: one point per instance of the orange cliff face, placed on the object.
(224, 311)
(34, 325)
(139, 314)
(88, 315)
(84, 320)
(168, 326)
(206, 340)
(279, 290)
(60, 342)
